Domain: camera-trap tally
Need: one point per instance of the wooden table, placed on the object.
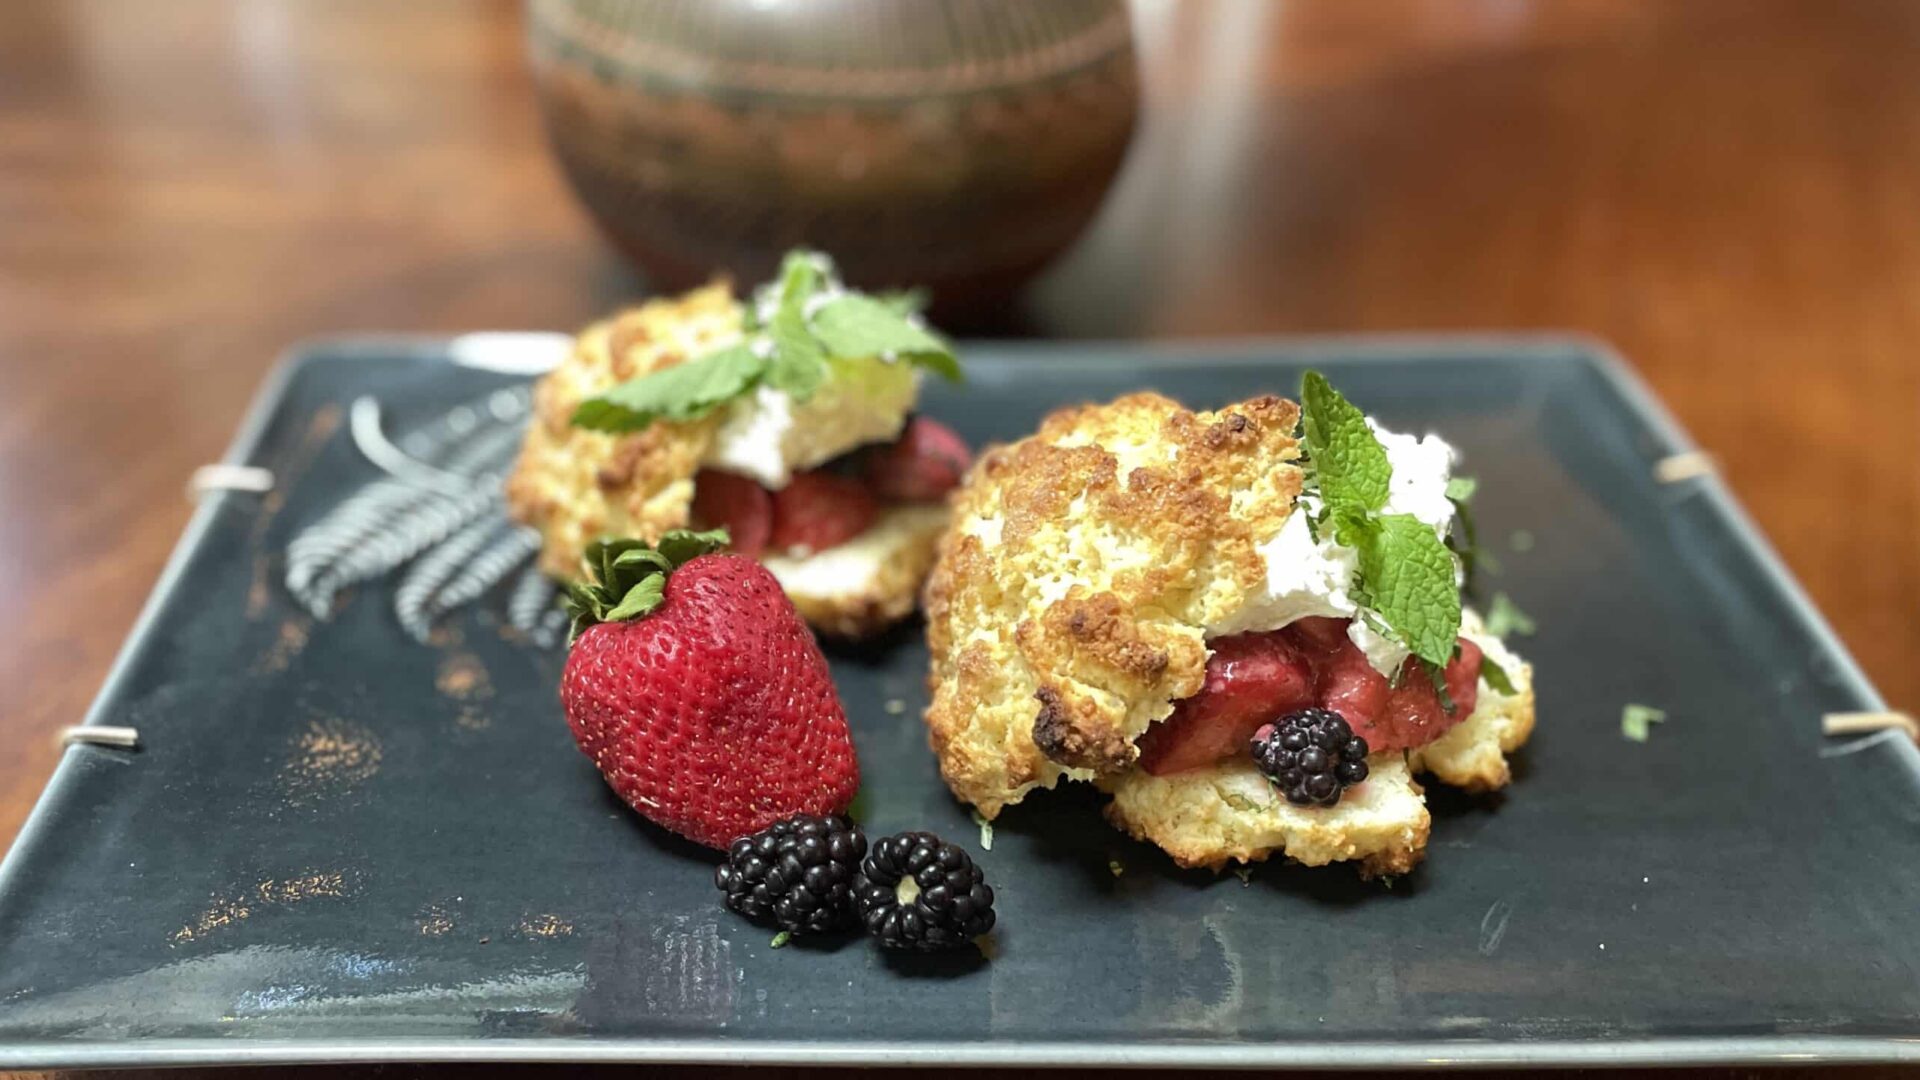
(1728, 190)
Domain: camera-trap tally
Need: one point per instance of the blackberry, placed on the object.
(1312, 756)
(796, 874)
(918, 892)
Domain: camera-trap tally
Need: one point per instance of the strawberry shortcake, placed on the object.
(1244, 625)
(787, 419)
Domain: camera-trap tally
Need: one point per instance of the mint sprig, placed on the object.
(1406, 571)
(796, 326)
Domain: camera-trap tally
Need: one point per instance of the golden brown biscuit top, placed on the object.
(575, 485)
(1067, 609)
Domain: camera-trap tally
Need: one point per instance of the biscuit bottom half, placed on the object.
(861, 587)
(1228, 811)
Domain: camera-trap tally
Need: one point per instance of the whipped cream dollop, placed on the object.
(767, 436)
(1308, 577)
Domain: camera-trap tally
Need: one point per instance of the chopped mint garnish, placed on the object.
(1505, 617)
(1388, 880)
(780, 939)
(1406, 572)
(1242, 803)
(1473, 558)
(1116, 867)
(1637, 720)
(1244, 873)
(986, 831)
(857, 808)
(1496, 675)
(795, 327)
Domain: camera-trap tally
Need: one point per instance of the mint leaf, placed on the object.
(1348, 460)
(903, 301)
(1473, 557)
(800, 277)
(986, 830)
(794, 326)
(1352, 527)
(1406, 575)
(1496, 675)
(1637, 720)
(854, 327)
(684, 392)
(799, 364)
(1505, 617)
(796, 364)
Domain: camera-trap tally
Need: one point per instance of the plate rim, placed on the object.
(589, 1050)
(1572, 348)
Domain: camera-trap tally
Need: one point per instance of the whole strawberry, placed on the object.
(699, 693)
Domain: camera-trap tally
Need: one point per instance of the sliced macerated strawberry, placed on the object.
(1319, 632)
(818, 510)
(922, 465)
(1413, 715)
(1252, 679)
(737, 504)
(1343, 680)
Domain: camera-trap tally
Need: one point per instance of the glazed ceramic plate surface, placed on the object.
(337, 843)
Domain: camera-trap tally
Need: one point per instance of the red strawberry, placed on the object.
(722, 500)
(700, 694)
(819, 510)
(1319, 633)
(1413, 715)
(1395, 717)
(1252, 679)
(922, 465)
(1347, 683)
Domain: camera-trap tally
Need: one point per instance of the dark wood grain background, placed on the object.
(1728, 190)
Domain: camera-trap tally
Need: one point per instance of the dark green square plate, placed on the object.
(338, 843)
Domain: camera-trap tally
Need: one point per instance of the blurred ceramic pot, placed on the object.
(957, 144)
